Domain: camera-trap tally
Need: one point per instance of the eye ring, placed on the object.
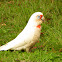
(38, 17)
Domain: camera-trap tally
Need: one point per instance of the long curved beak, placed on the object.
(43, 18)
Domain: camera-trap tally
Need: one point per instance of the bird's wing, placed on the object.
(19, 41)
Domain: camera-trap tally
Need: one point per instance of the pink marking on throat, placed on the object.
(38, 26)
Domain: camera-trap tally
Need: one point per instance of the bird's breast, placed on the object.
(32, 35)
(37, 33)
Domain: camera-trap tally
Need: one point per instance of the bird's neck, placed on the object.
(32, 25)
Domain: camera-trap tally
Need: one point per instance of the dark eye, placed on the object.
(38, 17)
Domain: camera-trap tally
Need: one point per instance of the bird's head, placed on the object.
(37, 18)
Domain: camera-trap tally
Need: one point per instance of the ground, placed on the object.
(14, 15)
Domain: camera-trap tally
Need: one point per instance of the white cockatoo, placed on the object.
(29, 36)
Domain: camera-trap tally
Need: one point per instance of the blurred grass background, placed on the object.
(14, 15)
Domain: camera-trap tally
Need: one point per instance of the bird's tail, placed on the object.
(4, 47)
(7, 46)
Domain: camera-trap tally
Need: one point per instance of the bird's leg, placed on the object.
(28, 49)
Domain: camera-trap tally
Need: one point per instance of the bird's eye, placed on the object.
(38, 17)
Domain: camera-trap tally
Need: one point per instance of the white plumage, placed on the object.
(29, 36)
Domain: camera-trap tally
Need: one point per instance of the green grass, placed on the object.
(15, 14)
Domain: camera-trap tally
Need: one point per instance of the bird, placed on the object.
(29, 35)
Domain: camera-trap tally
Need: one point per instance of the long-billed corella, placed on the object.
(29, 36)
